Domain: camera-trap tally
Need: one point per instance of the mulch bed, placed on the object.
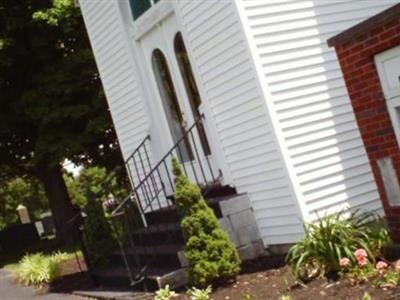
(266, 281)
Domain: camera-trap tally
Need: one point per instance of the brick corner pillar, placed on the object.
(356, 48)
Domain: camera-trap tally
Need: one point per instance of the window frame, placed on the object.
(151, 4)
(392, 95)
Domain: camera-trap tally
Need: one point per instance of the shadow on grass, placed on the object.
(44, 245)
(71, 282)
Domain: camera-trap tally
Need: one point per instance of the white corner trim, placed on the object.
(271, 113)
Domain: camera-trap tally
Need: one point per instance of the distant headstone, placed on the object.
(47, 223)
(23, 214)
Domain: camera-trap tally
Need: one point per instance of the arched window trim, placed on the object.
(191, 88)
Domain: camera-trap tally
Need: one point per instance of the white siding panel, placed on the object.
(227, 80)
(309, 98)
(118, 73)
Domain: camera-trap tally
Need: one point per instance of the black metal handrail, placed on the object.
(162, 162)
(137, 155)
(156, 184)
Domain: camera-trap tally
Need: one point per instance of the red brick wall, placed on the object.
(356, 57)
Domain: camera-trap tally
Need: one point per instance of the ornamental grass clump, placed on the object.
(36, 269)
(211, 254)
(330, 244)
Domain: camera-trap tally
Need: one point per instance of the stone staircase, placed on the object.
(159, 248)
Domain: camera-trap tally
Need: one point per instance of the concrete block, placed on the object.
(183, 259)
(174, 279)
(251, 251)
(233, 237)
(247, 235)
(235, 205)
(242, 219)
(226, 224)
(279, 249)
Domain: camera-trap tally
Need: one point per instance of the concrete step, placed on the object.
(171, 214)
(101, 294)
(154, 278)
(164, 255)
(159, 234)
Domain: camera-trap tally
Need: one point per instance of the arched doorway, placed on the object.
(170, 103)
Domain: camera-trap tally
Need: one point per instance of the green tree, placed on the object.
(92, 179)
(211, 254)
(52, 106)
(21, 190)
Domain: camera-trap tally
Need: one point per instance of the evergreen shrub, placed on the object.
(211, 254)
(98, 236)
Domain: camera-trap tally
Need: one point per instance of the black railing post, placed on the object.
(146, 192)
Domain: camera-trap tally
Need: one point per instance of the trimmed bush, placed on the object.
(334, 238)
(212, 256)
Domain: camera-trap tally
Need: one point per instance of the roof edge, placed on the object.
(360, 28)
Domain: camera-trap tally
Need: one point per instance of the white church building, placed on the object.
(246, 93)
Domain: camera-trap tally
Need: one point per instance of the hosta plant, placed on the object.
(199, 294)
(165, 294)
(335, 237)
(366, 296)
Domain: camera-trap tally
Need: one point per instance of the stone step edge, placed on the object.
(114, 295)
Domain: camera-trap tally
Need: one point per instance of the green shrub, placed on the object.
(366, 296)
(165, 294)
(37, 268)
(247, 296)
(284, 297)
(98, 238)
(211, 254)
(335, 237)
(199, 294)
(391, 278)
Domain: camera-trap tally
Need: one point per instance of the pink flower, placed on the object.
(362, 261)
(381, 265)
(359, 253)
(344, 262)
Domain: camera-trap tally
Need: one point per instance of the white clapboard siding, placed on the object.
(227, 80)
(304, 86)
(118, 74)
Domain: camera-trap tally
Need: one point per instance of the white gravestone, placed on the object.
(23, 214)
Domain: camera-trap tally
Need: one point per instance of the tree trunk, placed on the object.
(60, 202)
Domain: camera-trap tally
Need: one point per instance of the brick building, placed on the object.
(369, 55)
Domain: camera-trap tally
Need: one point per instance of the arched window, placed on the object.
(170, 104)
(191, 86)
